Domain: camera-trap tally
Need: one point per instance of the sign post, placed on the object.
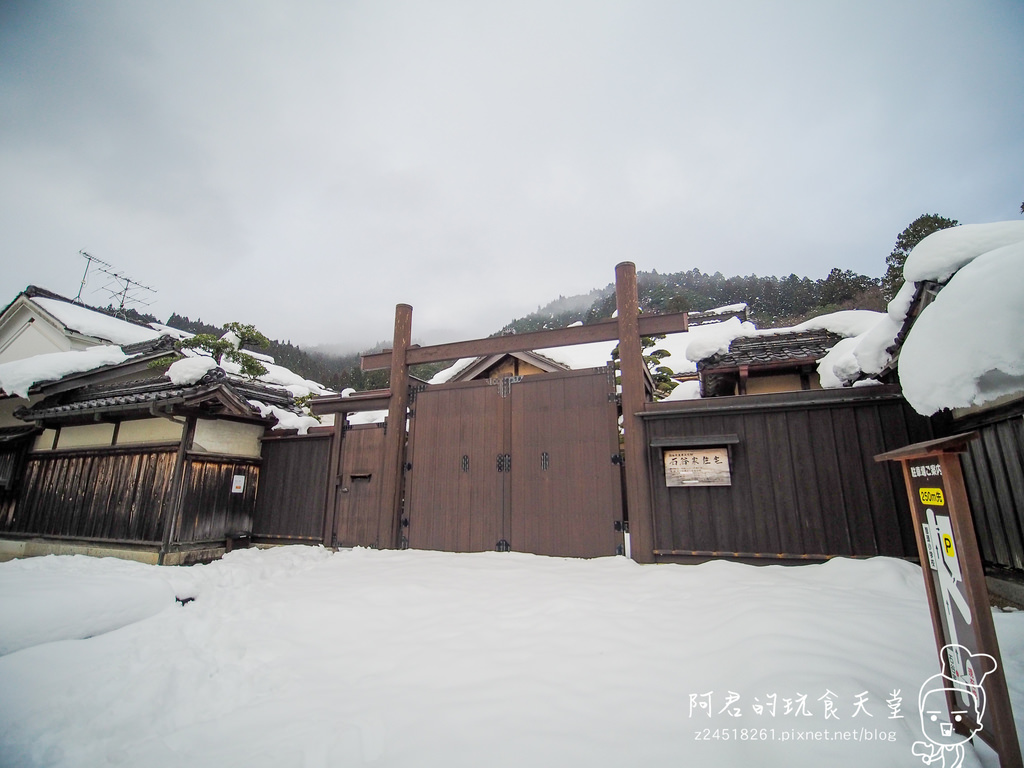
(957, 595)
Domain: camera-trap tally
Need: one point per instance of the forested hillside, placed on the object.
(773, 301)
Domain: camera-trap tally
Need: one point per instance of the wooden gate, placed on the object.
(528, 464)
(356, 518)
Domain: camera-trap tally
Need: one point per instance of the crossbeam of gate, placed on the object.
(604, 330)
(628, 329)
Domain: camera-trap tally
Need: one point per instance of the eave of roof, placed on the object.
(481, 364)
(142, 355)
(154, 395)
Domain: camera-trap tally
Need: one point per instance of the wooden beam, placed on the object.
(371, 400)
(634, 398)
(333, 481)
(178, 482)
(676, 322)
(604, 330)
(394, 439)
(520, 342)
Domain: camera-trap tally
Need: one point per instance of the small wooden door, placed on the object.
(356, 519)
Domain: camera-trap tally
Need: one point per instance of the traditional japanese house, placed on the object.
(766, 363)
(112, 455)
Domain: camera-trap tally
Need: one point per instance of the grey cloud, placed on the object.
(306, 167)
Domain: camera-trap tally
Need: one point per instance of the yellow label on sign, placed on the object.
(947, 545)
(932, 497)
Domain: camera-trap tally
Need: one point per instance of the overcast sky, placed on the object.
(305, 166)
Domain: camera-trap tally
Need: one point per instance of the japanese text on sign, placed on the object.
(697, 466)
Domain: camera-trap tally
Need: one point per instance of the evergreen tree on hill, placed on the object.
(916, 231)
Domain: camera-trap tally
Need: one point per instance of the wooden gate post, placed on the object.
(334, 480)
(394, 439)
(634, 397)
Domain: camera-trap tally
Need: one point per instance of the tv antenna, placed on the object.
(89, 259)
(121, 288)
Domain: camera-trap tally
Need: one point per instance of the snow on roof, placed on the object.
(579, 356)
(714, 339)
(284, 377)
(721, 310)
(974, 349)
(848, 322)
(594, 355)
(942, 253)
(966, 348)
(599, 353)
(449, 373)
(285, 419)
(96, 324)
(18, 376)
(174, 333)
(189, 370)
(703, 340)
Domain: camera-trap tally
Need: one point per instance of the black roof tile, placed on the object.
(772, 349)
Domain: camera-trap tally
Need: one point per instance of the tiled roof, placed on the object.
(772, 349)
(140, 394)
(159, 344)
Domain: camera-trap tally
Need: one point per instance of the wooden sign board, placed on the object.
(957, 593)
(697, 466)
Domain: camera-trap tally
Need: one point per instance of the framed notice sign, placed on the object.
(697, 466)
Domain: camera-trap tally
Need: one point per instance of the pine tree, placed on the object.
(918, 230)
(229, 346)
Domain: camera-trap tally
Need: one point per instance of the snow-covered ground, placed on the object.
(301, 657)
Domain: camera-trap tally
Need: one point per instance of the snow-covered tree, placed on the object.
(229, 347)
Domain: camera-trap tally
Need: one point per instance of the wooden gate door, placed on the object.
(566, 482)
(520, 463)
(455, 500)
(356, 519)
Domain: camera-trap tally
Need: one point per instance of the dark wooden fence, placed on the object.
(322, 488)
(112, 495)
(211, 511)
(993, 469)
(804, 481)
(15, 443)
(293, 489)
(126, 495)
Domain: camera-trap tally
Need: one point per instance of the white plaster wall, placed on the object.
(28, 341)
(230, 437)
(763, 385)
(86, 436)
(25, 332)
(44, 441)
(149, 431)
